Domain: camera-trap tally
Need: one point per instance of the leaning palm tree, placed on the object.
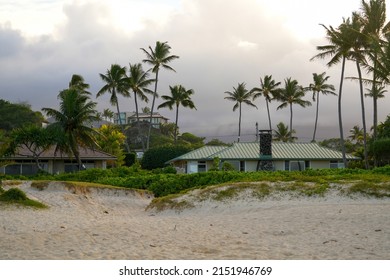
(179, 96)
(292, 93)
(138, 83)
(157, 57)
(318, 86)
(356, 42)
(338, 49)
(116, 83)
(72, 123)
(240, 95)
(283, 134)
(269, 89)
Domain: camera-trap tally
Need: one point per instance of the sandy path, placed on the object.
(114, 225)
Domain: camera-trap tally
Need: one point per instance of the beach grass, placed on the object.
(17, 196)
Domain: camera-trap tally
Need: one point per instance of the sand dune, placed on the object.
(101, 223)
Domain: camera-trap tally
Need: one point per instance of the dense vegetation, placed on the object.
(163, 182)
(17, 115)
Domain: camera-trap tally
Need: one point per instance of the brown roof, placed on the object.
(85, 154)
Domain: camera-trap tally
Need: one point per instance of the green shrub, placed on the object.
(385, 170)
(13, 194)
(130, 159)
(227, 166)
(157, 157)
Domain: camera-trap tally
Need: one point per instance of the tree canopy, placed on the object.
(17, 115)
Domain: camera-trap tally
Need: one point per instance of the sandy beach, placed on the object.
(113, 224)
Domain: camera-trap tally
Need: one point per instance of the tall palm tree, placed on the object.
(374, 28)
(179, 96)
(318, 86)
(338, 49)
(357, 54)
(283, 134)
(78, 82)
(269, 89)
(138, 83)
(115, 83)
(292, 93)
(72, 122)
(157, 57)
(240, 95)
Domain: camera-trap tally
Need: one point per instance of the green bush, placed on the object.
(130, 159)
(385, 170)
(381, 149)
(13, 194)
(157, 157)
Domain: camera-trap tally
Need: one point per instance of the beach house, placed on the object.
(266, 155)
(23, 162)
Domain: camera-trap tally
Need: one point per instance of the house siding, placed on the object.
(320, 164)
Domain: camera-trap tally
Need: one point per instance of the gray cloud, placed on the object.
(220, 43)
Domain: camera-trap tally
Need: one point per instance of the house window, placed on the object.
(14, 169)
(336, 164)
(202, 166)
(286, 165)
(242, 165)
(297, 165)
(307, 164)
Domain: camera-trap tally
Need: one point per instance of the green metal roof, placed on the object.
(280, 151)
(203, 153)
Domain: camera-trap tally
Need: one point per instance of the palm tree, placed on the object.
(356, 134)
(78, 82)
(240, 95)
(318, 86)
(116, 82)
(338, 50)
(157, 57)
(138, 82)
(374, 28)
(179, 96)
(108, 114)
(72, 122)
(357, 54)
(283, 134)
(292, 93)
(380, 91)
(269, 89)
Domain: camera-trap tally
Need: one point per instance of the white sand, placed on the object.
(109, 224)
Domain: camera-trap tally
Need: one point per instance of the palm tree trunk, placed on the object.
(121, 125)
(151, 111)
(138, 124)
(239, 124)
(375, 99)
(291, 119)
(177, 119)
(76, 154)
(363, 115)
(340, 115)
(269, 115)
(315, 124)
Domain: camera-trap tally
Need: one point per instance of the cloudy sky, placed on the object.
(220, 43)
